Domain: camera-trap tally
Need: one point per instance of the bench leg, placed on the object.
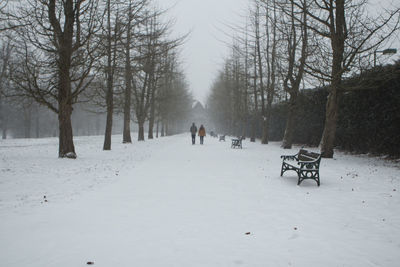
(286, 167)
(311, 174)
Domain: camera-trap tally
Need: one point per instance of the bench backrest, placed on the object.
(305, 155)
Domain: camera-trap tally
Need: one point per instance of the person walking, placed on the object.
(202, 133)
(193, 131)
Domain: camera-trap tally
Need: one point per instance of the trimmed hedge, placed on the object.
(369, 114)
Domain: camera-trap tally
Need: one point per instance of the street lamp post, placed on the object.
(388, 51)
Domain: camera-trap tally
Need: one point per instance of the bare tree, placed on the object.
(344, 30)
(135, 15)
(145, 85)
(112, 33)
(173, 100)
(56, 54)
(271, 55)
(259, 63)
(5, 23)
(295, 39)
(5, 55)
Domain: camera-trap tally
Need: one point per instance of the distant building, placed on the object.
(199, 114)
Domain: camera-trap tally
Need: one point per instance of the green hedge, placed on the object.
(369, 114)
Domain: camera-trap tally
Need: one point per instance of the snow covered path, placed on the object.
(168, 203)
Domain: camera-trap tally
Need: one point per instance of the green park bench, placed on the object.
(237, 142)
(305, 163)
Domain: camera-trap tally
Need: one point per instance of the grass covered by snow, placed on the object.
(165, 202)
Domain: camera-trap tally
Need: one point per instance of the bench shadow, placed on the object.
(293, 179)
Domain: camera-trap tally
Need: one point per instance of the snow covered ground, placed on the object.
(165, 202)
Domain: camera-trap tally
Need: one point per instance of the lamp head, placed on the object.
(389, 51)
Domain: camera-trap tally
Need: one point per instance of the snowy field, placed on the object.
(165, 202)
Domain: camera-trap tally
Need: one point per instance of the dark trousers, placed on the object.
(193, 139)
(201, 140)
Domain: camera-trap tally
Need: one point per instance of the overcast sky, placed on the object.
(204, 51)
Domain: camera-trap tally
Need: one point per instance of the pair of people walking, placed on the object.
(201, 133)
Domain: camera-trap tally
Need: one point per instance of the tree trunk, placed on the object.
(141, 130)
(27, 122)
(151, 127)
(157, 127)
(332, 105)
(166, 128)
(151, 119)
(127, 114)
(37, 123)
(4, 133)
(271, 80)
(4, 123)
(3, 120)
(253, 129)
(110, 93)
(152, 86)
(162, 128)
(328, 136)
(264, 136)
(267, 118)
(255, 95)
(126, 138)
(66, 143)
(109, 122)
(288, 137)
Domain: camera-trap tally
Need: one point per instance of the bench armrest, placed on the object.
(289, 157)
(314, 164)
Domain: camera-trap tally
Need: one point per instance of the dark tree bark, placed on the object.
(290, 123)
(56, 53)
(66, 144)
(152, 114)
(27, 121)
(37, 122)
(4, 120)
(271, 74)
(157, 127)
(109, 120)
(141, 131)
(351, 32)
(259, 63)
(162, 128)
(166, 128)
(293, 77)
(5, 54)
(65, 43)
(126, 135)
(338, 36)
(109, 74)
(255, 95)
(4, 130)
(127, 116)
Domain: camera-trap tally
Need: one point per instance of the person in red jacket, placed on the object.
(202, 133)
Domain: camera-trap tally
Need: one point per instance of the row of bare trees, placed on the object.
(288, 45)
(117, 56)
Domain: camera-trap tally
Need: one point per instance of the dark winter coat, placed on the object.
(193, 129)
